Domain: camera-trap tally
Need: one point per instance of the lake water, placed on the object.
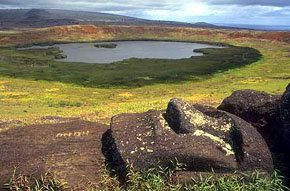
(86, 52)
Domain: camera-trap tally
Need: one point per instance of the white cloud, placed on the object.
(185, 12)
(233, 11)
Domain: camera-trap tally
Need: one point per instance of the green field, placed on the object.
(39, 64)
(33, 85)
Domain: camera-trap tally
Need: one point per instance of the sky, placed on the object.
(257, 12)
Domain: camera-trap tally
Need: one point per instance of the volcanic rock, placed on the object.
(202, 138)
(285, 119)
(256, 107)
(71, 150)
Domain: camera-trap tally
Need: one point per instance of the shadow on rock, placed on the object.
(270, 115)
(114, 161)
(202, 138)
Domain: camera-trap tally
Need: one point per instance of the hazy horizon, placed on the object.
(251, 12)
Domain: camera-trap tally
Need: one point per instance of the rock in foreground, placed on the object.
(202, 138)
(285, 119)
(70, 150)
(256, 107)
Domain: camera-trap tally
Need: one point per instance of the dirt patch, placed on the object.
(71, 150)
(4, 124)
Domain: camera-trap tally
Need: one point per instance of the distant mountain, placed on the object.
(35, 18)
(204, 24)
(258, 27)
(37, 14)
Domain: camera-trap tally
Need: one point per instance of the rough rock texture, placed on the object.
(71, 150)
(256, 107)
(285, 119)
(202, 138)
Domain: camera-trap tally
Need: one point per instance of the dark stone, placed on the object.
(71, 150)
(256, 107)
(285, 119)
(201, 138)
(176, 115)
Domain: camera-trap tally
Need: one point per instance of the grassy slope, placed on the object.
(40, 65)
(28, 100)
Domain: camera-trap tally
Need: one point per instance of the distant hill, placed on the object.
(258, 27)
(35, 18)
(37, 14)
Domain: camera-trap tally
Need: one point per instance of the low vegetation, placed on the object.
(39, 64)
(26, 183)
(161, 179)
(92, 33)
(105, 45)
(36, 92)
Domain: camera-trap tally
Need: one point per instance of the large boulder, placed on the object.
(202, 138)
(256, 107)
(285, 119)
(70, 149)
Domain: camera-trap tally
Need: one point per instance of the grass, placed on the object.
(36, 91)
(9, 32)
(47, 182)
(159, 179)
(39, 64)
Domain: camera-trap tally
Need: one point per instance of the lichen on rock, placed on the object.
(224, 146)
(202, 138)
